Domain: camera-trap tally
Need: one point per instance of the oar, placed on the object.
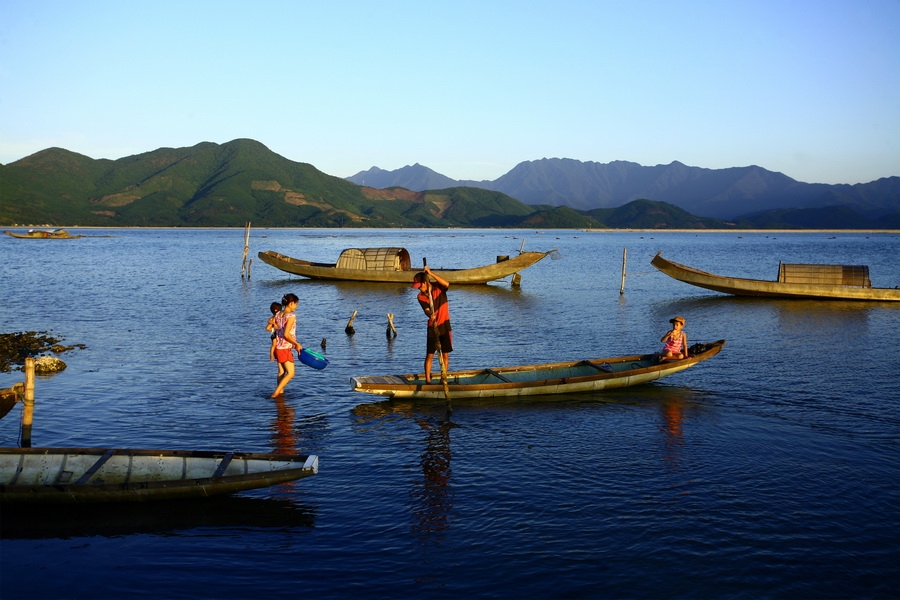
(440, 353)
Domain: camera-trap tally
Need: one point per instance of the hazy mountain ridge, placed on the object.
(718, 193)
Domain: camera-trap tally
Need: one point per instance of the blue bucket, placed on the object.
(313, 359)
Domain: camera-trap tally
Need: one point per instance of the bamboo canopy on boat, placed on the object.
(374, 259)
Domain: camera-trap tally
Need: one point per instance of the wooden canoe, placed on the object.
(44, 234)
(542, 379)
(87, 475)
(396, 268)
(822, 282)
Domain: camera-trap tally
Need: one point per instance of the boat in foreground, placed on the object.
(821, 282)
(44, 234)
(88, 475)
(393, 265)
(542, 379)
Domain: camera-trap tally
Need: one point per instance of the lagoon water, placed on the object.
(769, 471)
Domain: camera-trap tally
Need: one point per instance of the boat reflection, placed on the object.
(364, 290)
(118, 519)
(827, 308)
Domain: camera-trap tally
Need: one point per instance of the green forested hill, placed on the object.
(224, 185)
(646, 214)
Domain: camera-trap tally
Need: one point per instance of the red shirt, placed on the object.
(441, 316)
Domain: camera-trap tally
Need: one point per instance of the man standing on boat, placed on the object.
(433, 296)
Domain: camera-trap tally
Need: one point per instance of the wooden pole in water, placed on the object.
(28, 403)
(391, 331)
(349, 328)
(624, 257)
(245, 268)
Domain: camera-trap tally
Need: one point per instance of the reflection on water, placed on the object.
(432, 494)
(825, 314)
(673, 421)
(118, 519)
(284, 435)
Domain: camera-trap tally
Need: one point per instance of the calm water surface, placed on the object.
(769, 471)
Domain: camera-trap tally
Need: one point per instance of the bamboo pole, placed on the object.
(28, 402)
(624, 257)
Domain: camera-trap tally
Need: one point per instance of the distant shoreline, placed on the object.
(605, 230)
(893, 231)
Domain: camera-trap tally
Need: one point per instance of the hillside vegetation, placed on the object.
(228, 185)
(224, 185)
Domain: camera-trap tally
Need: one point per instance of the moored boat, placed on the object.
(88, 475)
(809, 281)
(540, 379)
(393, 265)
(44, 234)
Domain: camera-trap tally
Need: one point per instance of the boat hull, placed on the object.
(535, 380)
(92, 475)
(43, 235)
(325, 271)
(771, 289)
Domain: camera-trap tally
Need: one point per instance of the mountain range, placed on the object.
(716, 193)
(216, 185)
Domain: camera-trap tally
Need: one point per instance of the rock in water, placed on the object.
(44, 365)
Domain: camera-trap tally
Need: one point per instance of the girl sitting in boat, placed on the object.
(676, 342)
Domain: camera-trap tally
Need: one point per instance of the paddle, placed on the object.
(437, 337)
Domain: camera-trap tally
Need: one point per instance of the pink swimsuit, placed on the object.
(675, 346)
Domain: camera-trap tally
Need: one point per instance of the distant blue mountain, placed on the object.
(717, 193)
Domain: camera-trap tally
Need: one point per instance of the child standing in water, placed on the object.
(286, 341)
(676, 342)
(270, 326)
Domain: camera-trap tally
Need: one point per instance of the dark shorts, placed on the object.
(284, 355)
(446, 342)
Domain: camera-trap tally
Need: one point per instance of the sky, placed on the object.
(468, 88)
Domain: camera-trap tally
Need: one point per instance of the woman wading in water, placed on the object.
(286, 341)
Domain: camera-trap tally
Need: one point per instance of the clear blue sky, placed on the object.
(469, 88)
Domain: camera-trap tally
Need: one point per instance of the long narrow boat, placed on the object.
(86, 475)
(44, 234)
(543, 379)
(823, 282)
(393, 265)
